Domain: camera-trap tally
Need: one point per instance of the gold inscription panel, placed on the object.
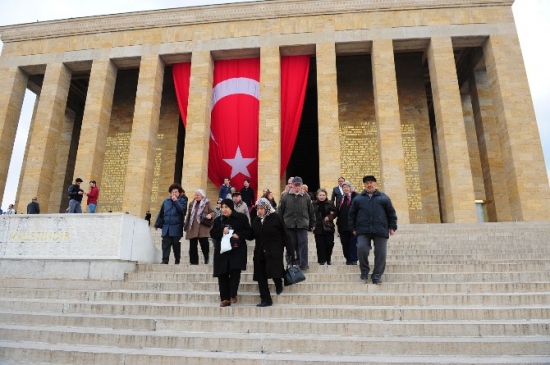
(113, 179)
(359, 145)
(414, 192)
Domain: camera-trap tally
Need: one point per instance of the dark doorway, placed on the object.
(304, 161)
(180, 148)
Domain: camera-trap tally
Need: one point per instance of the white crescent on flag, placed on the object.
(239, 85)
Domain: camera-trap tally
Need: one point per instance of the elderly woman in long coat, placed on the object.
(195, 231)
(228, 265)
(271, 239)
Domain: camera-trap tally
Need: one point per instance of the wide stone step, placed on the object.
(450, 277)
(340, 266)
(320, 298)
(352, 312)
(342, 327)
(25, 352)
(279, 343)
(307, 286)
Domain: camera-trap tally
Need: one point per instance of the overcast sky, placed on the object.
(532, 20)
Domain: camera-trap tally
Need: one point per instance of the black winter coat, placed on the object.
(374, 215)
(271, 240)
(330, 211)
(235, 259)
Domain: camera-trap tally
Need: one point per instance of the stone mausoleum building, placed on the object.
(430, 96)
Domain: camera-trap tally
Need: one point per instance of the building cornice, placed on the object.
(268, 9)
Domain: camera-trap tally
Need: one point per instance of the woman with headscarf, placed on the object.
(195, 231)
(348, 240)
(325, 212)
(271, 237)
(228, 265)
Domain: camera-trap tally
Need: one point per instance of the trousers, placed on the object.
(380, 251)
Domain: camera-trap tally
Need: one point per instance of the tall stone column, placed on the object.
(13, 83)
(18, 203)
(473, 146)
(494, 178)
(328, 118)
(524, 168)
(143, 141)
(269, 154)
(388, 119)
(46, 131)
(58, 196)
(197, 134)
(95, 124)
(456, 173)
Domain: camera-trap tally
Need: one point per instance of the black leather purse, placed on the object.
(293, 275)
(205, 221)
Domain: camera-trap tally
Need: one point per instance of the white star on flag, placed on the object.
(239, 164)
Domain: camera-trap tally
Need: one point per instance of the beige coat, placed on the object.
(195, 229)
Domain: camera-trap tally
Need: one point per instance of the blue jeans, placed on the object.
(74, 206)
(91, 208)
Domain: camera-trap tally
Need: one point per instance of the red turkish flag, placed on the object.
(234, 126)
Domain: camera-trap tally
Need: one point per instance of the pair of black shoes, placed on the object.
(264, 304)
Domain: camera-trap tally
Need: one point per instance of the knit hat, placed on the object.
(229, 203)
(369, 178)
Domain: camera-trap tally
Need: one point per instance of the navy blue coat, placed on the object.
(173, 213)
(374, 215)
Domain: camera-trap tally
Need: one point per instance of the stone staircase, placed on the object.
(452, 294)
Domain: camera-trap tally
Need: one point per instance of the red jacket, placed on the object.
(93, 195)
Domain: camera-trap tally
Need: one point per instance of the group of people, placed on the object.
(9, 211)
(75, 199)
(76, 194)
(32, 208)
(363, 220)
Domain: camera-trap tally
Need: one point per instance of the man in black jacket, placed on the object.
(372, 218)
(33, 207)
(75, 197)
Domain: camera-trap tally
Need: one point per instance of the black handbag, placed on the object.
(328, 226)
(205, 221)
(293, 275)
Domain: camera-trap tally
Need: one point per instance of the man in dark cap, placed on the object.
(75, 197)
(372, 218)
(297, 211)
(240, 205)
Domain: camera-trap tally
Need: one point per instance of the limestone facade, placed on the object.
(431, 97)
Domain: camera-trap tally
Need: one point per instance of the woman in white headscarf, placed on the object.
(195, 231)
(271, 239)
